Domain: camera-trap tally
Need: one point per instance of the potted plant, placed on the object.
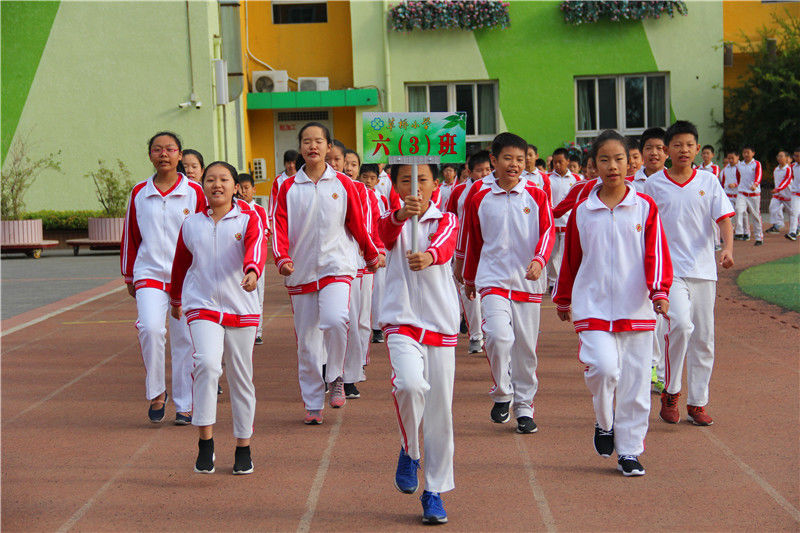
(112, 187)
(18, 174)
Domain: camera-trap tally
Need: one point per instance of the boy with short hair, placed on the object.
(247, 190)
(561, 181)
(781, 196)
(575, 166)
(635, 157)
(730, 178)
(707, 154)
(794, 189)
(449, 171)
(531, 156)
(419, 317)
(510, 228)
(748, 202)
(689, 200)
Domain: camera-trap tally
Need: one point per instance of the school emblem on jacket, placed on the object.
(431, 236)
(334, 196)
(702, 192)
(526, 210)
(185, 211)
(638, 227)
(238, 236)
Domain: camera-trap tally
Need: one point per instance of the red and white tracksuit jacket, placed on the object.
(560, 187)
(578, 192)
(730, 178)
(424, 304)
(258, 210)
(276, 186)
(445, 191)
(319, 227)
(210, 261)
(614, 259)
(750, 174)
(783, 178)
(507, 230)
(152, 224)
(711, 167)
(540, 179)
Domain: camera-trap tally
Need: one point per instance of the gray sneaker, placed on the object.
(475, 346)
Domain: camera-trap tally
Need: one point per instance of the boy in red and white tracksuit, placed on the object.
(150, 232)
(781, 195)
(729, 179)
(688, 201)
(247, 189)
(748, 201)
(794, 190)
(561, 181)
(615, 262)
(419, 317)
(210, 260)
(318, 229)
(510, 229)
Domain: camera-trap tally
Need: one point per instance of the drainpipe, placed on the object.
(219, 110)
(387, 80)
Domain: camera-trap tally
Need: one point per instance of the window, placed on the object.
(628, 103)
(477, 99)
(295, 12)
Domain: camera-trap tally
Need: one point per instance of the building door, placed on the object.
(287, 126)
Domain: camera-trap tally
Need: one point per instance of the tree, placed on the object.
(112, 187)
(19, 173)
(765, 109)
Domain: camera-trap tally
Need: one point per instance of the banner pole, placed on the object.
(415, 218)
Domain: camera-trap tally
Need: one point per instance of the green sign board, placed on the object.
(441, 135)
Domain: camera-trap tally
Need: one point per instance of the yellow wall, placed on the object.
(302, 50)
(746, 18)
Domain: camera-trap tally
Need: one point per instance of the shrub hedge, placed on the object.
(63, 220)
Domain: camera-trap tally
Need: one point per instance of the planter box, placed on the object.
(106, 229)
(16, 232)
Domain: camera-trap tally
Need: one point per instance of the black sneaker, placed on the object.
(463, 326)
(758, 243)
(745, 236)
(241, 462)
(773, 229)
(629, 465)
(737, 237)
(377, 336)
(603, 441)
(205, 457)
(350, 391)
(500, 413)
(791, 236)
(259, 340)
(525, 424)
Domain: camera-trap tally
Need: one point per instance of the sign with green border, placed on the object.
(442, 135)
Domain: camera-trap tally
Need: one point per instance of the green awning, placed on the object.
(306, 99)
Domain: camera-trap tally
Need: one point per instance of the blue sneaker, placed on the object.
(432, 508)
(157, 415)
(405, 479)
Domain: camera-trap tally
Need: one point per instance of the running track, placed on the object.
(78, 453)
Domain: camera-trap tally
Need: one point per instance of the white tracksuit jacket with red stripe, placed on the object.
(152, 224)
(370, 210)
(750, 175)
(613, 259)
(578, 192)
(210, 261)
(423, 304)
(729, 179)
(559, 188)
(507, 230)
(258, 210)
(320, 228)
(711, 167)
(783, 178)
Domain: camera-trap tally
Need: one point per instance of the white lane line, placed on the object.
(536, 488)
(66, 526)
(316, 487)
(61, 310)
(763, 483)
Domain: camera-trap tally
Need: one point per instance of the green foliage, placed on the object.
(63, 220)
(19, 173)
(448, 15)
(588, 11)
(112, 187)
(765, 109)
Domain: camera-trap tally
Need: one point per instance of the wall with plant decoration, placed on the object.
(588, 11)
(448, 15)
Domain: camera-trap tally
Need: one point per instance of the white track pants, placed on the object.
(320, 323)
(512, 329)
(659, 335)
(379, 280)
(422, 387)
(794, 213)
(152, 306)
(353, 358)
(365, 316)
(750, 205)
(260, 289)
(472, 314)
(618, 368)
(691, 337)
(554, 265)
(212, 343)
(776, 208)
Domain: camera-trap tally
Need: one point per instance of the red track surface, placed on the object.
(78, 453)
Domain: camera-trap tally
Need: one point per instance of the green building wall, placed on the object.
(110, 75)
(536, 59)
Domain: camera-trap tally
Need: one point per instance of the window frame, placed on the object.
(451, 103)
(620, 96)
(275, 3)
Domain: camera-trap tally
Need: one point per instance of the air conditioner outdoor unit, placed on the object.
(259, 169)
(270, 81)
(312, 84)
